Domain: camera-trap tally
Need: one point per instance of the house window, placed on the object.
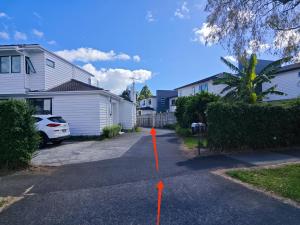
(149, 102)
(4, 64)
(162, 100)
(180, 93)
(194, 91)
(203, 87)
(50, 63)
(16, 64)
(41, 106)
(173, 102)
(299, 74)
(28, 66)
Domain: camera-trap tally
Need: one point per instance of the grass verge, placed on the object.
(284, 181)
(192, 142)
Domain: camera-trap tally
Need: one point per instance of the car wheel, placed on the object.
(43, 140)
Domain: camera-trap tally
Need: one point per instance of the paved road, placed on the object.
(122, 191)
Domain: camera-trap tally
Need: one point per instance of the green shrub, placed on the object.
(193, 108)
(252, 126)
(19, 138)
(184, 132)
(170, 126)
(111, 131)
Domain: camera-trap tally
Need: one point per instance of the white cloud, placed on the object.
(4, 35)
(116, 80)
(182, 12)
(3, 15)
(91, 55)
(149, 17)
(207, 34)
(136, 58)
(38, 33)
(52, 42)
(19, 36)
(231, 58)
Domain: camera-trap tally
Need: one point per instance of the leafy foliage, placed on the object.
(145, 93)
(252, 126)
(245, 86)
(193, 108)
(259, 25)
(19, 138)
(126, 94)
(111, 131)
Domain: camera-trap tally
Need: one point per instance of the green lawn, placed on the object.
(192, 142)
(284, 181)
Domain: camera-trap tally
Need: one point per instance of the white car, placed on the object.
(52, 128)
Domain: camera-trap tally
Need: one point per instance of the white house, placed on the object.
(172, 104)
(55, 86)
(205, 84)
(147, 106)
(287, 80)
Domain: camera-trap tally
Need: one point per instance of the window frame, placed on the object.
(43, 111)
(51, 61)
(11, 63)
(29, 68)
(5, 56)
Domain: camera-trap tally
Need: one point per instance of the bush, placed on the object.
(184, 132)
(193, 108)
(19, 138)
(170, 126)
(252, 126)
(111, 131)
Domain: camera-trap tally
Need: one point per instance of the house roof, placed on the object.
(201, 81)
(146, 108)
(287, 68)
(74, 85)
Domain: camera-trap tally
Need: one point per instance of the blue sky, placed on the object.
(151, 40)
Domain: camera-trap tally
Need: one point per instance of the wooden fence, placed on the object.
(158, 120)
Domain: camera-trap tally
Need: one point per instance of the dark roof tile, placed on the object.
(74, 85)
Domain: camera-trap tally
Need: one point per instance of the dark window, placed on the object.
(41, 105)
(173, 102)
(57, 119)
(37, 119)
(16, 64)
(4, 64)
(28, 66)
(162, 100)
(149, 102)
(50, 63)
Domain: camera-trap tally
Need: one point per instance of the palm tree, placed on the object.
(246, 85)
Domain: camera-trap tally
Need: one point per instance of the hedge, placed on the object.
(256, 126)
(18, 138)
(111, 131)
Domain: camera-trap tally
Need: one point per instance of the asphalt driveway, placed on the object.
(122, 191)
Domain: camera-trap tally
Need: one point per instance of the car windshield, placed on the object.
(57, 119)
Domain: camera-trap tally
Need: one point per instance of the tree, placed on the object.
(256, 25)
(126, 94)
(145, 93)
(191, 109)
(246, 85)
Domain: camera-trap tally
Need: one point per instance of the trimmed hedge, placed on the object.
(18, 138)
(111, 131)
(256, 126)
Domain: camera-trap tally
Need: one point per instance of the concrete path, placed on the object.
(86, 151)
(122, 191)
(266, 158)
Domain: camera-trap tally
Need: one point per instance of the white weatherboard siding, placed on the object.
(288, 82)
(80, 111)
(189, 90)
(127, 114)
(13, 83)
(62, 72)
(108, 114)
(36, 81)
